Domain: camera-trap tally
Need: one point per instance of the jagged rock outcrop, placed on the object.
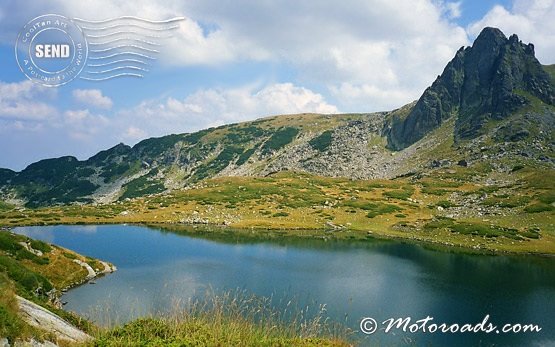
(490, 80)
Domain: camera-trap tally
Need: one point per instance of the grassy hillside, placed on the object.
(38, 272)
(511, 211)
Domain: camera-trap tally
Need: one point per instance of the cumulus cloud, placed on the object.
(391, 45)
(92, 97)
(212, 107)
(532, 20)
(23, 101)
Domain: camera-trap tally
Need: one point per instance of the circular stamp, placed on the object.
(51, 49)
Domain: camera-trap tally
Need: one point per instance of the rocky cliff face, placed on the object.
(490, 80)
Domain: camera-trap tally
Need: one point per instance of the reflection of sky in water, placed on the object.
(374, 278)
(46, 233)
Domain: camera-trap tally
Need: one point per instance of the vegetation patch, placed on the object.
(322, 141)
(506, 201)
(113, 171)
(30, 281)
(141, 186)
(539, 207)
(279, 139)
(245, 156)
(10, 244)
(219, 163)
(477, 229)
(435, 191)
(5, 206)
(157, 145)
(381, 208)
(402, 194)
(244, 134)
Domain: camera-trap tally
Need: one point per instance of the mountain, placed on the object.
(492, 109)
(490, 80)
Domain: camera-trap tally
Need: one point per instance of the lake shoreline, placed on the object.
(268, 233)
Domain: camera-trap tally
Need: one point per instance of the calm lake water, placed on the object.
(379, 279)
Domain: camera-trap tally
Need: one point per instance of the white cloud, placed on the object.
(359, 96)
(84, 125)
(133, 134)
(92, 97)
(23, 101)
(531, 20)
(212, 107)
(453, 9)
(390, 45)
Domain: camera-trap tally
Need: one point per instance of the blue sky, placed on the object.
(237, 61)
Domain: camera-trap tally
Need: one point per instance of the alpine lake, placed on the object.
(381, 279)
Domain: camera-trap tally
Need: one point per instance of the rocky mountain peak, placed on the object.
(491, 79)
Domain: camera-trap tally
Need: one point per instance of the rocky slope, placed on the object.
(494, 104)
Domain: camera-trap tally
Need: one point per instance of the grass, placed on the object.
(12, 245)
(280, 214)
(479, 229)
(402, 194)
(539, 207)
(234, 318)
(11, 325)
(5, 206)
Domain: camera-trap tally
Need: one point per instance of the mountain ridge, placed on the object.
(493, 104)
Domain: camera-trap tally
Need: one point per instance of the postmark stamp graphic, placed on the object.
(51, 49)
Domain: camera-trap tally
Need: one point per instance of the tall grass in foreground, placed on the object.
(233, 318)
